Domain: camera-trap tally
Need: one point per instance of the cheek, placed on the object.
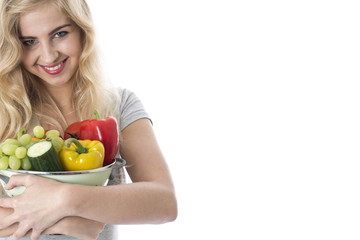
(74, 45)
(26, 65)
(72, 50)
(27, 60)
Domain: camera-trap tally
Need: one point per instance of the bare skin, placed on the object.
(149, 199)
(78, 227)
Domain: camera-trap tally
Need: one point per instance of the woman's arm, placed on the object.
(150, 199)
(5, 212)
(77, 227)
(72, 226)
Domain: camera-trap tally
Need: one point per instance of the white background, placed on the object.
(256, 107)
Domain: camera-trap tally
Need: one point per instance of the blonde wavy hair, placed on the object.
(23, 96)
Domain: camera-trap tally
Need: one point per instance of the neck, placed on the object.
(62, 95)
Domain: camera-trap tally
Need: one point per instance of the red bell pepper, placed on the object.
(72, 131)
(104, 130)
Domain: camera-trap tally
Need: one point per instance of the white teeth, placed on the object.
(54, 68)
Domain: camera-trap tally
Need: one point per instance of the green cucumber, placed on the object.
(43, 157)
(33, 142)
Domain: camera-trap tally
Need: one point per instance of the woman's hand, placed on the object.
(73, 226)
(5, 212)
(38, 208)
(77, 227)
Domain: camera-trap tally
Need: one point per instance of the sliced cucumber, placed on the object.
(43, 157)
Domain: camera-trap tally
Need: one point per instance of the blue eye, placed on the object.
(29, 43)
(60, 34)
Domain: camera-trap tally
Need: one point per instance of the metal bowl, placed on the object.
(92, 177)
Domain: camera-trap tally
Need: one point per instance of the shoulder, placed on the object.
(123, 92)
(130, 109)
(128, 100)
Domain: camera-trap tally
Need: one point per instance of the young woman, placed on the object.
(49, 76)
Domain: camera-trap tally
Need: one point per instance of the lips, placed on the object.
(54, 68)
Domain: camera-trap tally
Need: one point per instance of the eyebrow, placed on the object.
(51, 33)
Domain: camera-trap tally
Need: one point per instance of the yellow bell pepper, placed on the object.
(79, 155)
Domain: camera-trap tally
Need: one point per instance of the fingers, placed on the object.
(6, 202)
(22, 232)
(35, 235)
(17, 180)
(8, 221)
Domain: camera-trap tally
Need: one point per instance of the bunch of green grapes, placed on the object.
(13, 152)
(56, 140)
(50, 135)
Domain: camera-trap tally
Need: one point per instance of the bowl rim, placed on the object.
(121, 161)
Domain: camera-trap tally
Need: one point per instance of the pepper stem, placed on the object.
(97, 115)
(79, 148)
(21, 132)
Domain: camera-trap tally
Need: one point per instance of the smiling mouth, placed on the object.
(55, 68)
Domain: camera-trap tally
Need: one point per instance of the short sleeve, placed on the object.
(131, 108)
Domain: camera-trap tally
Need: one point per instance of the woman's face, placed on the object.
(52, 44)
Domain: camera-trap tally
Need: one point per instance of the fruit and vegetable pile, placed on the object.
(86, 145)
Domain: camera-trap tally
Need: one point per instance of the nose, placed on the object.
(49, 54)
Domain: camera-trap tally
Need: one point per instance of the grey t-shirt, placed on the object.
(131, 109)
